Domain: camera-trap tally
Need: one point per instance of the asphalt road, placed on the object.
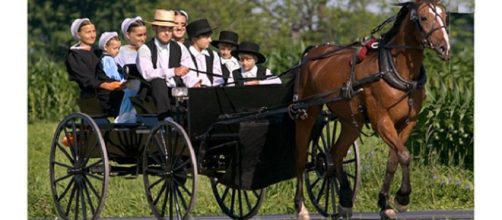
(419, 215)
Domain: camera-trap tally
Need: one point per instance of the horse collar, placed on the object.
(391, 76)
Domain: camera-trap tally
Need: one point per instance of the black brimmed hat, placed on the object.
(227, 37)
(250, 48)
(198, 27)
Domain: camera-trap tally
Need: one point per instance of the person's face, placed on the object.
(137, 36)
(113, 47)
(179, 30)
(87, 34)
(225, 50)
(247, 61)
(163, 34)
(202, 42)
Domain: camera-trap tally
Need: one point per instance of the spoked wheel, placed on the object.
(169, 171)
(237, 203)
(79, 170)
(320, 179)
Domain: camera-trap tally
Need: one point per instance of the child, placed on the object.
(108, 70)
(205, 60)
(227, 42)
(250, 74)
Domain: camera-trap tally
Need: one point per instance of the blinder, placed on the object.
(426, 41)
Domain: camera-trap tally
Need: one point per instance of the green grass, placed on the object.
(435, 186)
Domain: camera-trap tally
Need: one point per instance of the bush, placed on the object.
(445, 126)
(50, 93)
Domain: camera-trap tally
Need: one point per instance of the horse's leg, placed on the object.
(397, 154)
(348, 135)
(402, 198)
(303, 128)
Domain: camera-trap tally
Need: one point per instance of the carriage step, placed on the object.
(122, 171)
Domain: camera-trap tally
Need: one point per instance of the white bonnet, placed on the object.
(127, 22)
(75, 26)
(105, 37)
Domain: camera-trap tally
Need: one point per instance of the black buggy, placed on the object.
(242, 138)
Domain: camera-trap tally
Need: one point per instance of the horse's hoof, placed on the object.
(344, 211)
(399, 207)
(303, 214)
(388, 214)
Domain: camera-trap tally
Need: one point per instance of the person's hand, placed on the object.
(112, 85)
(252, 83)
(198, 84)
(181, 71)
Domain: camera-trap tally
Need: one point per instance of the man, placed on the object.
(180, 20)
(165, 63)
(206, 61)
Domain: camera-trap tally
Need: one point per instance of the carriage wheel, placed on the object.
(169, 171)
(237, 203)
(79, 170)
(320, 179)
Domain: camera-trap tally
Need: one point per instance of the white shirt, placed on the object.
(231, 64)
(145, 66)
(200, 58)
(253, 73)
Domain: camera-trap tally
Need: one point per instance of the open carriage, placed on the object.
(242, 138)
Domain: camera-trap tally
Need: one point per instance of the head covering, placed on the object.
(75, 26)
(250, 48)
(228, 37)
(164, 18)
(127, 22)
(184, 13)
(105, 37)
(198, 27)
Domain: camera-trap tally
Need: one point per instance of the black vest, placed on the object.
(174, 57)
(209, 64)
(239, 80)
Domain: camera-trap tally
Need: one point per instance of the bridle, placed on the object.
(426, 36)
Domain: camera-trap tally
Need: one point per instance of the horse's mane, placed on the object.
(405, 8)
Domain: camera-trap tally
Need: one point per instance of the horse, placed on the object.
(385, 89)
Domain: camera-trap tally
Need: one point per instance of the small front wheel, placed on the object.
(237, 203)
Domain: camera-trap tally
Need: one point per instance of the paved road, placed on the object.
(419, 215)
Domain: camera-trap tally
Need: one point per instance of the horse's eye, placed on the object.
(423, 18)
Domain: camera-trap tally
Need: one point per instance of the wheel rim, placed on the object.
(169, 172)
(321, 183)
(237, 203)
(79, 170)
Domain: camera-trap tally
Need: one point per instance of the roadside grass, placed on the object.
(435, 186)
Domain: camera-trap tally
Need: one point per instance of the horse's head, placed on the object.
(431, 19)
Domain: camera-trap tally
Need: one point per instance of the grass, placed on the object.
(435, 186)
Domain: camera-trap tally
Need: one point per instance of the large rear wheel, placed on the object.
(321, 183)
(79, 169)
(169, 171)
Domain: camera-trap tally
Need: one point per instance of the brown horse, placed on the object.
(388, 93)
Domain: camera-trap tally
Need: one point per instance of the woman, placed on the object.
(81, 63)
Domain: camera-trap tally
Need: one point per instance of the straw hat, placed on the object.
(164, 18)
(250, 48)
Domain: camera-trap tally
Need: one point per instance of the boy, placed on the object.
(249, 73)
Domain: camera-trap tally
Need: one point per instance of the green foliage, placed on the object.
(50, 93)
(446, 123)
